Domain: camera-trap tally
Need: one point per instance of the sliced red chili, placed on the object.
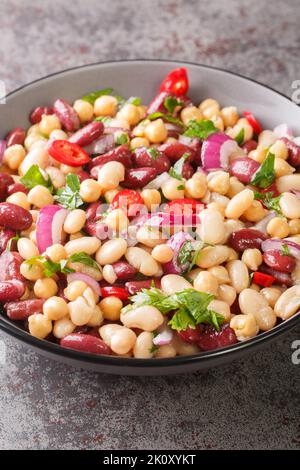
(176, 82)
(253, 122)
(262, 279)
(119, 292)
(185, 206)
(129, 200)
(68, 153)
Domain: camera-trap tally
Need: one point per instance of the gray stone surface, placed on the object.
(253, 403)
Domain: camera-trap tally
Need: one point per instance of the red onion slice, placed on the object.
(216, 151)
(278, 243)
(157, 182)
(164, 337)
(176, 242)
(85, 278)
(282, 130)
(49, 227)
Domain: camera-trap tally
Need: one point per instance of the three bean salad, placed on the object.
(149, 230)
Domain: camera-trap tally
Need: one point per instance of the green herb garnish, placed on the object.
(170, 103)
(34, 177)
(270, 202)
(200, 129)
(69, 196)
(181, 187)
(91, 97)
(49, 267)
(240, 137)
(285, 251)
(122, 139)
(154, 153)
(185, 253)
(11, 240)
(84, 259)
(176, 170)
(104, 119)
(265, 175)
(165, 117)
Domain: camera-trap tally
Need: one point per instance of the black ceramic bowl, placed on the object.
(142, 78)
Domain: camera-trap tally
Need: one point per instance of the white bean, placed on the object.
(146, 318)
(212, 227)
(212, 256)
(172, 283)
(252, 302)
(239, 275)
(288, 303)
(239, 204)
(142, 261)
(88, 245)
(111, 251)
(143, 345)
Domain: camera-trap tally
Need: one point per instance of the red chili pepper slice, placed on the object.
(68, 153)
(176, 82)
(129, 201)
(253, 122)
(185, 206)
(119, 292)
(262, 279)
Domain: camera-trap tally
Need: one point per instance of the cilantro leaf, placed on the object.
(200, 129)
(265, 175)
(285, 250)
(49, 267)
(91, 97)
(165, 117)
(185, 253)
(270, 202)
(83, 258)
(122, 139)
(156, 298)
(170, 103)
(181, 187)
(154, 153)
(135, 100)
(69, 196)
(240, 137)
(104, 119)
(10, 241)
(181, 320)
(34, 177)
(176, 170)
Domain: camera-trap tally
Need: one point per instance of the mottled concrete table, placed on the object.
(253, 403)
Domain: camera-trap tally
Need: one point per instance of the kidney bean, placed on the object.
(83, 175)
(212, 339)
(135, 286)
(244, 169)
(15, 136)
(158, 103)
(191, 335)
(5, 181)
(187, 170)
(196, 146)
(5, 235)
(10, 262)
(93, 227)
(280, 277)
(246, 238)
(276, 260)
(67, 115)
(23, 309)
(120, 154)
(138, 177)
(15, 188)
(87, 134)
(124, 270)
(272, 188)
(142, 157)
(36, 115)
(15, 217)
(249, 146)
(11, 290)
(85, 343)
(175, 150)
(102, 145)
(2, 149)
(293, 151)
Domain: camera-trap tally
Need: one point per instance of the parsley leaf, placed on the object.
(181, 320)
(91, 97)
(170, 103)
(49, 267)
(270, 202)
(154, 153)
(176, 170)
(122, 139)
(285, 250)
(69, 196)
(34, 177)
(165, 117)
(265, 175)
(135, 100)
(104, 119)
(156, 298)
(200, 129)
(240, 137)
(84, 259)
(185, 253)
(181, 187)
(10, 241)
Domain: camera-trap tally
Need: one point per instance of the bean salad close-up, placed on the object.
(149, 230)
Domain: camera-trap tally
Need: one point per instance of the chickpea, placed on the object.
(109, 274)
(84, 110)
(219, 182)
(271, 294)
(34, 140)
(31, 272)
(149, 237)
(146, 317)
(34, 129)
(162, 253)
(111, 251)
(130, 113)
(239, 204)
(266, 138)
(88, 270)
(190, 113)
(80, 312)
(63, 327)
(20, 199)
(156, 131)
(96, 319)
(220, 273)
(13, 156)
(244, 326)
(172, 189)
(279, 149)
(39, 326)
(294, 225)
(235, 187)
(57, 177)
(74, 221)
(139, 130)
(75, 289)
(58, 134)
(49, 123)
(56, 253)
(55, 308)
(255, 212)
(165, 351)
(252, 258)
(217, 207)
(206, 282)
(242, 124)
(111, 308)
(196, 186)
(259, 154)
(218, 122)
(230, 116)
(151, 198)
(143, 345)
(282, 168)
(209, 108)
(87, 244)
(66, 169)
(90, 190)
(110, 175)
(227, 294)
(123, 341)
(137, 142)
(27, 248)
(40, 196)
(278, 227)
(45, 288)
(105, 106)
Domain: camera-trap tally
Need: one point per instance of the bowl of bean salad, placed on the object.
(149, 216)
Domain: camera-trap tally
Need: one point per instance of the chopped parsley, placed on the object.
(122, 139)
(91, 97)
(285, 250)
(165, 117)
(154, 153)
(265, 175)
(50, 268)
(170, 103)
(240, 137)
(200, 129)
(270, 202)
(69, 196)
(84, 259)
(11, 240)
(176, 170)
(34, 177)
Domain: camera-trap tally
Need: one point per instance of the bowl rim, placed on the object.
(17, 332)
